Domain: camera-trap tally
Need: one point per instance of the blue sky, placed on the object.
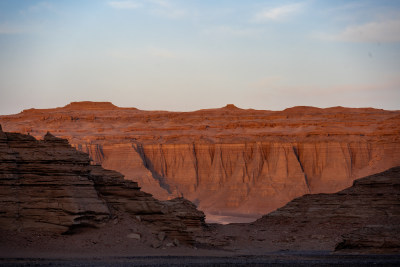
(188, 55)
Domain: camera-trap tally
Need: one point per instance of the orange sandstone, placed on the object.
(235, 164)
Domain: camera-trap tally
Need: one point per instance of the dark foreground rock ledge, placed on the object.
(364, 217)
(48, 186)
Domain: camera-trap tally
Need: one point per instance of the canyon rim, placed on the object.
(234, 164)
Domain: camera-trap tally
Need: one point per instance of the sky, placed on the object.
(194, 54)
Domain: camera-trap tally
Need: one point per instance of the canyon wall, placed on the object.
(234, 164)
(247, 180)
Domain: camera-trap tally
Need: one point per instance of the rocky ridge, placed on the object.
(48, 186)
(234, 164)
(363, 217)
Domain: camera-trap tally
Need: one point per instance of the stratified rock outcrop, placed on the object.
(228, 161)
(46, 185)
(364, 217)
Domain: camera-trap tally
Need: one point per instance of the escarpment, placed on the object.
(47, 185)
(234, 164)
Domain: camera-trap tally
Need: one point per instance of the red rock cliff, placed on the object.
(229, 161)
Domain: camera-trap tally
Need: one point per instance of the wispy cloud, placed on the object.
(166, 9)
(38, 7)
(377, 31)
(170, 12)
(160, 8)
(277, 13)
(227, 30)
(162, 3)
(29, 19)
(124, 4)
(41, 6)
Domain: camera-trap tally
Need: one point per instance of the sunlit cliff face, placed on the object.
(234, 164)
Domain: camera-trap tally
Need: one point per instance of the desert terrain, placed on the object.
(58, 208)
(199, 133)
(234, 164)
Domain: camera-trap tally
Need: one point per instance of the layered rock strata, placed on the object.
(364, 217)
(228, 161)
(46, 185)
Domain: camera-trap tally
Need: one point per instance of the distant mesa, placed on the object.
(344, 109)
(337, 109)
(99, 106)
(303, 109)
(90, 105)
(228, 107)
(82, 105)
(231, 106)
